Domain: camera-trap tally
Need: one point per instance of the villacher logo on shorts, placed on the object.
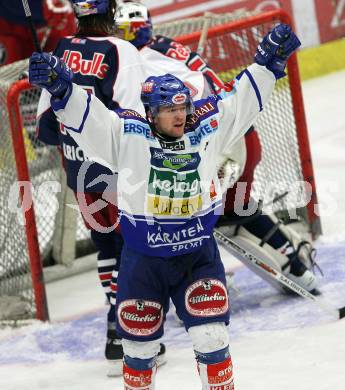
(139, 317)
(207, 298)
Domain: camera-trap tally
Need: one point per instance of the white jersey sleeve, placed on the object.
(239, 108)
(85, 113)
(131, 75)
(43, 103)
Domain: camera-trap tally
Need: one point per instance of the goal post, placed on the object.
(36, 267)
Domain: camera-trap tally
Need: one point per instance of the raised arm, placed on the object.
(95, 128)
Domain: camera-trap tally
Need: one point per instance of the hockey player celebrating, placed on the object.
(270, 238)
(101, 64)
(169, 199)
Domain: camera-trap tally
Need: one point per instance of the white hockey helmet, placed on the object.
(134, 20)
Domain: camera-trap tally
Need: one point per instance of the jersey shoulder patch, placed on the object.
(130, 114)
(204, 109)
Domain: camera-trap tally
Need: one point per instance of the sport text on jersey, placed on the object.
(95, 67)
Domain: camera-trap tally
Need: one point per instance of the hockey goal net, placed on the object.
(30, 172)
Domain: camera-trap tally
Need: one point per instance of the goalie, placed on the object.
(263, 235)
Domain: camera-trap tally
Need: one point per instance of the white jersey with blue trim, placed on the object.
(168, 192)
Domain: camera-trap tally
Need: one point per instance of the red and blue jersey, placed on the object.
(102, 66)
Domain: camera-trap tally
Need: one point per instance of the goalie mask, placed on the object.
(90, 7)
(134, 21)
(166, 90)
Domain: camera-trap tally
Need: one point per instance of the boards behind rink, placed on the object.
(46, 241)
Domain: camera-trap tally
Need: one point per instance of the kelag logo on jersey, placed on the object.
(95, 67)
(174, 184)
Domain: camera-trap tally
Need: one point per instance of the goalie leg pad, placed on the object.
(265, 252)
(269, 256)
(288, 244)
(295, 240)
(250, 243)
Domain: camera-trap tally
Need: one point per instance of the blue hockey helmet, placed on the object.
(134, 20)
(90, 7)
(166, 90)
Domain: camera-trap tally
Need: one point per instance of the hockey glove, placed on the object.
(275, 49)
(49, 72)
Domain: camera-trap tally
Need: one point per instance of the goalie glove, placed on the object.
(49, 72)
(275, 49)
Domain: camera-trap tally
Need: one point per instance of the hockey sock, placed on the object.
(215, 370)
(105, 274)
(139, 373)
(113, 287)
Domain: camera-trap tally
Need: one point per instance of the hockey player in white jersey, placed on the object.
(169, 198)
(285, 250)
(101, 63)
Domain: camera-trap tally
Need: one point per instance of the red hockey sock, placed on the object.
(139, 379)
(216, 376)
